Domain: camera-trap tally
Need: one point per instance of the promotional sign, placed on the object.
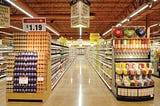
(34, 24)
(80, 15)
(23, 80)
(4, 16)
(94, 37)
(62, 40)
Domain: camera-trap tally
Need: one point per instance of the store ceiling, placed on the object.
(104, 14)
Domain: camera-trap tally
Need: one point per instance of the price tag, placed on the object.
(23, 80)
(34, 24)
(40, 79)
(9, 78)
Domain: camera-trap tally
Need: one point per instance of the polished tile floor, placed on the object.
(81, 86)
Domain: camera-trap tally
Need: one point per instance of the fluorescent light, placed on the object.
(30, 15)
(80, 32)
(19, 8)
(155, 32)
(6, 33)
(118, 25)
(139, 10)
(153, 25)
(52, 30)
(155, 0)
(17, 28)
(125, 20)
(107, 32)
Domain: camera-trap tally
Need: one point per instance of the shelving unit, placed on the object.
(3, 64)
(124, 65)
(155, 57)
(3, 92)
(132, 69)
(35, 66)
(59, 60)
(101, 60)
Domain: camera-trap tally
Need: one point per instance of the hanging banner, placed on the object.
(4, 16)
(34, 24)
(62, 40)
(80, 15)
(94, 37)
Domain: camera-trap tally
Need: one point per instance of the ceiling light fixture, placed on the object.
(6, 33)
(80, 32)
(139, 10)
(30, 15)
(155, 32)
(155, 0)
(153, 25)
(118, 25)
(52, 30)
(107, 32)
(19, 8)
(143, 7)
(125, 20)
(17, 28)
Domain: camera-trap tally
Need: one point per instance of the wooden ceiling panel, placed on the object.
(104, 15)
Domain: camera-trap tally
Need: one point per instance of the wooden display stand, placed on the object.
(132, 68)
(38, 42)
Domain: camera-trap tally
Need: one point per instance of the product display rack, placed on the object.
(101, 60)
(35, 66)
(59, 61)
(4, 50)
(132, 69)
(124, 65)
(28, 69)
(155, 57)
(3, 92)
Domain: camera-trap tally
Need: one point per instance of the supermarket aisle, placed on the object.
(80, 86)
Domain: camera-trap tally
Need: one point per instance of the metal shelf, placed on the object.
(55, 65)
(104, 71)
(2, 76)
(101, 77)
(103, 56)
(109, 66)
(131, 60)
(131, 38)
(53, 85)
(53, 43)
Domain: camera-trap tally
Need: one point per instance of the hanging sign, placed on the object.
(34, 24)
(94, 37)
(80, 15)
(62, 40)
(4, 16)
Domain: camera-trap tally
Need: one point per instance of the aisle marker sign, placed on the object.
(4, 16)
(34, 24)
(80, 15)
